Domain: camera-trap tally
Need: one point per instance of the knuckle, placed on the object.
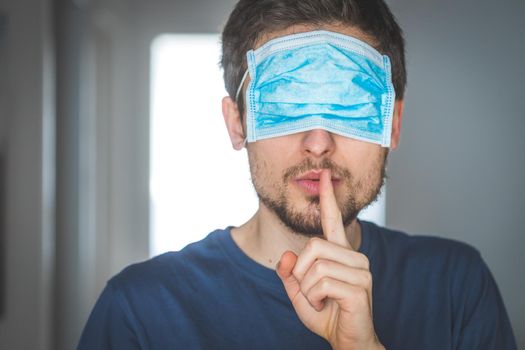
(324, 284)
(319, 268)
(313, 244)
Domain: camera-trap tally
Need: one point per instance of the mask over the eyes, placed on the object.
(319, 80)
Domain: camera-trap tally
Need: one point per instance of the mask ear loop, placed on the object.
(237, 98)
(240, 85)
(243, 143)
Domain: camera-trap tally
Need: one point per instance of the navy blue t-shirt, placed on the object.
(428, 293)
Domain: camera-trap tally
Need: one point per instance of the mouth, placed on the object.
(310, 184)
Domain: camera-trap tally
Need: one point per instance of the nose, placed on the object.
(318, 143)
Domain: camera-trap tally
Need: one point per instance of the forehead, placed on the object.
(301, 28)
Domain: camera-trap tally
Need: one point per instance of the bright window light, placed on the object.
(198, 183)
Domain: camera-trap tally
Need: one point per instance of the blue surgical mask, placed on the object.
(319, 80)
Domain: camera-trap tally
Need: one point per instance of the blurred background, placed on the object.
(110, 124)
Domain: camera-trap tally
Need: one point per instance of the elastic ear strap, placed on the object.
(243, 145)
(240, 85)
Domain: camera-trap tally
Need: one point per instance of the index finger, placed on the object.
(331, 219)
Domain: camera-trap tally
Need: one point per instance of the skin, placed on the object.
(327, 280)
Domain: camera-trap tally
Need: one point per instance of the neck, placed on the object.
(264, 238)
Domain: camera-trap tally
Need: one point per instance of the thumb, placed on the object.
(293, 288)
(284, 271)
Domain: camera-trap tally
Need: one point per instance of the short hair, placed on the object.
(250, 20)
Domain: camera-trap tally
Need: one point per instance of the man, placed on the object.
(316, 96)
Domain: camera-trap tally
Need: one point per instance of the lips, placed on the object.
(309, 182)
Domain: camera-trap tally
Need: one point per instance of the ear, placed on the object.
(232, 118)
(396, 123)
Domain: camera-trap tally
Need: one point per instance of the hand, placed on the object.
(329, 283)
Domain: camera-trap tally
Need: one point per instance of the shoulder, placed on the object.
(150, 297)
(425, 249)
(427, 260)
(171, 267)
(447, 276)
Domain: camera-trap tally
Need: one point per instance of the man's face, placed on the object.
(285, 170)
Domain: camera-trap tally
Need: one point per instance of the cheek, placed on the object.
(264, 169)
(270, 157)
(372, 173)
(256, 164)
(360, 157)
(365, 163)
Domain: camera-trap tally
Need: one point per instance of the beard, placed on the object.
(358, 194)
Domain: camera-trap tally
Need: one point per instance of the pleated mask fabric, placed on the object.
(319, 80)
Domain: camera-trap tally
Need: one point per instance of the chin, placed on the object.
(305, 222)
(308, 231)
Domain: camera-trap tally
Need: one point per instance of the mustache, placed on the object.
(308, 164)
